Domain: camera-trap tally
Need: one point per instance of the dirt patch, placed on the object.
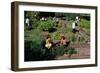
(83, 52)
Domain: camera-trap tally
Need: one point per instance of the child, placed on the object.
(63, 41)
(48, 43)
(74, 27)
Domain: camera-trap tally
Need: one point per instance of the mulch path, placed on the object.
(83, 52)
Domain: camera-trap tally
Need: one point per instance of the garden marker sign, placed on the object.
(52, 36)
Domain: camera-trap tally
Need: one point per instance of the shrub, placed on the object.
(85, 24)
(72, 38)
(56, 36)
(32, 17)
(71, 51)
(46, 25)
(58, 50)
(35, 52)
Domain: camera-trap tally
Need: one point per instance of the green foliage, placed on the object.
(34, 36)
(71, 16)
(85, 24)
(81, 39)
(56, 36)
(58, 50)
(32, 16)
(46, 25)
(61, 50)
(73, 38)
(71, 50)
(32, 53)
(34, 49)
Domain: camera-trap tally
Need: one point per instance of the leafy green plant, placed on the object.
(56, 36)
(72, 38)
(71, 51)
(33, 21)
(59, 50)
(85, 24)
(46, 25)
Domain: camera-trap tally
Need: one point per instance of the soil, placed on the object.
(83, 52)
